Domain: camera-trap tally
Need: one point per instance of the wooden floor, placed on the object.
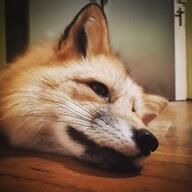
(168, 170)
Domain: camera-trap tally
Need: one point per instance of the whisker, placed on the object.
(64, 107)
(72, 112)
(75, 123)
(84, 107)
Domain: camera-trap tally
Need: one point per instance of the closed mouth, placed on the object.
(104, 157)
(109, 159)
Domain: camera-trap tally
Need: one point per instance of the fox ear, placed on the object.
(149, 106)
(86, 35)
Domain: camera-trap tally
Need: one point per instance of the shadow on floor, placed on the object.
(70, 163)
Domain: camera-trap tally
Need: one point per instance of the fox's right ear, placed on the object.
(149, 106)
(86, 35)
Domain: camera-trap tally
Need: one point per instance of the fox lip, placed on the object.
(104, 157)
(111, 160)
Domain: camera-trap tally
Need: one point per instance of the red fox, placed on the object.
(75, 97)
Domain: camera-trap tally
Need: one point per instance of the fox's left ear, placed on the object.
(149, 106)
(86, 35)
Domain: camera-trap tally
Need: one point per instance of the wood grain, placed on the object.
(169, 169)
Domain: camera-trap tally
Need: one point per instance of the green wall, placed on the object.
(2, 34)
(189, 47)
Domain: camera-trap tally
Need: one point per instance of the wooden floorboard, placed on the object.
(169, 169)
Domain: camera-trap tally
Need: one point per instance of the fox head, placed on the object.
(75, 97)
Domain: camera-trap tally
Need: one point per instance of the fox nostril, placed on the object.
(145, 140)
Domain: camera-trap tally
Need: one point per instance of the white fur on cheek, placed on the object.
(117, 135)
(71, 147)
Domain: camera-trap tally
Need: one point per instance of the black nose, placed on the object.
(145, 141)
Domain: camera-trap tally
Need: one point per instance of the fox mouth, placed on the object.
(109, 159)
(105, 157)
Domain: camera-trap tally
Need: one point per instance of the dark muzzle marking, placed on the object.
(102, 157)
(79, 137)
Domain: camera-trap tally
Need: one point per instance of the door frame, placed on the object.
(180, 54)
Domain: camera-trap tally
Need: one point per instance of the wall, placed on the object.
(143, 31)
(189, 47)
(49, 18)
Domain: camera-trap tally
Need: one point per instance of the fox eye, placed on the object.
(100, 89)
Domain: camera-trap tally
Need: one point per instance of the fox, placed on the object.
(74, 97)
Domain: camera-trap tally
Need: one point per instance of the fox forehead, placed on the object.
(108, 70)
(101, 68)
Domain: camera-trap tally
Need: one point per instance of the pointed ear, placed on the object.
(86, 35)
(149, 107)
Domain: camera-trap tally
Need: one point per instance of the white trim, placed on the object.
(180, 56)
